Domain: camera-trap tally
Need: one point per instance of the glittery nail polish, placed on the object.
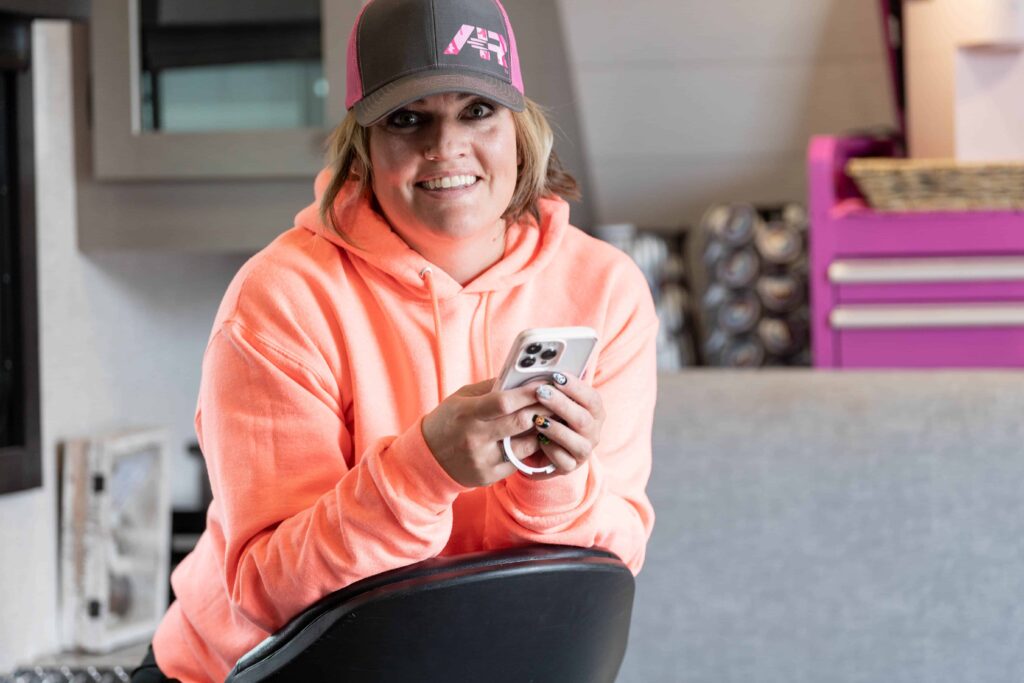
(559, 378)
(543, 439)
(544, 391)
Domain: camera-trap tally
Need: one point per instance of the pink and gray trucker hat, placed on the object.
(403, 50)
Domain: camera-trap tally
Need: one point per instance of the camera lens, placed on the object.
(533, 348)
(549, 354)
(527, 362)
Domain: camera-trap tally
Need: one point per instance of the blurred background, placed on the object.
(152, 146)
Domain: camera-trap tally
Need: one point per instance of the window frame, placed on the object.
(124, 152)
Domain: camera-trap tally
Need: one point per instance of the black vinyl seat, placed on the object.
(533, 614)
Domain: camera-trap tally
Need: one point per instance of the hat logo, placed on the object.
(480, 39)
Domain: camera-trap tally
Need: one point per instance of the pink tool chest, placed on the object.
(902, 290)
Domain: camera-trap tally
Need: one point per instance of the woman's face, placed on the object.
(445, 167)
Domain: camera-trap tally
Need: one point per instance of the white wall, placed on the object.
(548, 78)
(121, 339)
(689, 102)
(935, 32)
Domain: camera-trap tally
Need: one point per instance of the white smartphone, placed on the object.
(538, 353)
(535, 356)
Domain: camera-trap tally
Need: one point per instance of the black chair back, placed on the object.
(540, 613)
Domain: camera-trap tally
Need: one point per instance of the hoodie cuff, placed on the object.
(553, 496)
(425, 479)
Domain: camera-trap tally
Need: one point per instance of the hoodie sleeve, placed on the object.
(602, 503)
(292, 520)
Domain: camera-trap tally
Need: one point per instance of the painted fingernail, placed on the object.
(541, 422)
(544, 391)
(544, 440)
(559, 378)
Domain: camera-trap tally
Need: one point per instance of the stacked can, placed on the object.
(754, 306)
(660, 257)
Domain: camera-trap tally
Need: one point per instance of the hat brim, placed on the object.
(401, 92)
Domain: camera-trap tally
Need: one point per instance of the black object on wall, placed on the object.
(20, 462)
(20, 449)
(47, 9)
(892, 31)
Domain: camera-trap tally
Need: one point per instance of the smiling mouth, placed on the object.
(456, 182)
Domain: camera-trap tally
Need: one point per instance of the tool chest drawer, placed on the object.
(928, 335)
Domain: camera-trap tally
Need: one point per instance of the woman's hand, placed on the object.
(464, 432)
(570, 439)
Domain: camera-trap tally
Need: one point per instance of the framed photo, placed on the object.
(115, 538)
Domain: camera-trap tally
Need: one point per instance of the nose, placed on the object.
(446, 139)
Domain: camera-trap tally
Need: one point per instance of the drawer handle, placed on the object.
(980, 269)
(925, 316)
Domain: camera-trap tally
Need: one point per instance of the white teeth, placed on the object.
(450, 182)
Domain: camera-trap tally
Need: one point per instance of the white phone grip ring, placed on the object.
(506, 445)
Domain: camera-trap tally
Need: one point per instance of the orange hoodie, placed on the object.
(323, 358)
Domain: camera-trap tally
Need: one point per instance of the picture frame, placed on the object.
(114, 538)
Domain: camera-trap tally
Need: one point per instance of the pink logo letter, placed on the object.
(481, 42)
(459, 41)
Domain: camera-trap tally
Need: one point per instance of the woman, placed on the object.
(346, 410)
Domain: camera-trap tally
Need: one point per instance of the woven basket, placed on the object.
(938, 184)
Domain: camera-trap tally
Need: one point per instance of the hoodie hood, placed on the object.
(529, 244)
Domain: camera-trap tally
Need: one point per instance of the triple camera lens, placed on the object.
(533, 350)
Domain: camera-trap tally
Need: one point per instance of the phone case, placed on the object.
(539, 352)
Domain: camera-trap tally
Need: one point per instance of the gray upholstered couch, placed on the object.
(834, 527)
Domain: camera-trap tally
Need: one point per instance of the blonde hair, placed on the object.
(540, 173)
